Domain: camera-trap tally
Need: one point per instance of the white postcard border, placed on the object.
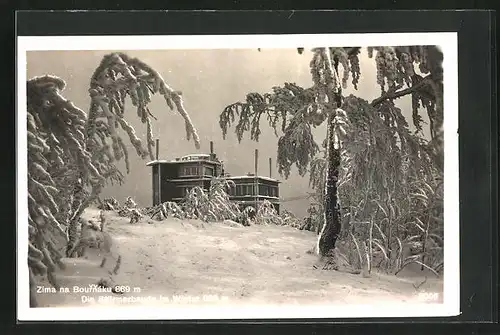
(451, 295)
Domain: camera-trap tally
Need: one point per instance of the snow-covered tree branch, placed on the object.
(73, 155)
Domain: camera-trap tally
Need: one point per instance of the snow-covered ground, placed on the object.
(219, 263)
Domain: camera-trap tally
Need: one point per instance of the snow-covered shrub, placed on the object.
(213, 205)
(166, 210)
(129, 209)
(289, 219)
(267, 214)
(247, 216)
(130, 203)
(109, 204)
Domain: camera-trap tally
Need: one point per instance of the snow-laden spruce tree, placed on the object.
(293, 111)
(72, 154)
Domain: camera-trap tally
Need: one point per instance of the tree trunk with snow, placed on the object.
(332, 224)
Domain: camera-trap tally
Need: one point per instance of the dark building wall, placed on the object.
(156, 185)
(170, 191)
(168, 188)
(169, 171)
(176, 177)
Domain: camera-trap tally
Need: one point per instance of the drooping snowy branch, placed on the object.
(69, 152)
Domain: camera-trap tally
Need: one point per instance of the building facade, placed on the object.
(251, 190)
(172, 181)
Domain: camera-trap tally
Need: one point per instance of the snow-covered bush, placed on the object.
(130, 203)
(109, 204)
(213, 205)
(289, 219)
(247, 216)
(166, 210)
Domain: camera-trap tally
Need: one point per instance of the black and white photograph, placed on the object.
(237, 177)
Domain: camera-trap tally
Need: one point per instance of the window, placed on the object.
(209, 171)
(266, 190)
(242, 190)
(246, 190)
(189, 171)
(239, 190)
(271, 191)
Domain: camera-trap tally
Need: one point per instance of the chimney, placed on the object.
(270, 167)
(211, 147)
(157, 148)
(256, 161)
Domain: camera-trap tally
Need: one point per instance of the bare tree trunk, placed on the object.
(332, 225)
(73, 222)
(81, 201)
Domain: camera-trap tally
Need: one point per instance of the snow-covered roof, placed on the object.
(252, 177)
(192, 159)
(195, 156)
(158, 161)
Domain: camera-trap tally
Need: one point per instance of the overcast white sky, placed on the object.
(209, 80)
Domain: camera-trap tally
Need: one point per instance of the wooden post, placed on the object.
(256, 183)
(256, 161)
(158, 167)
(157, 148)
